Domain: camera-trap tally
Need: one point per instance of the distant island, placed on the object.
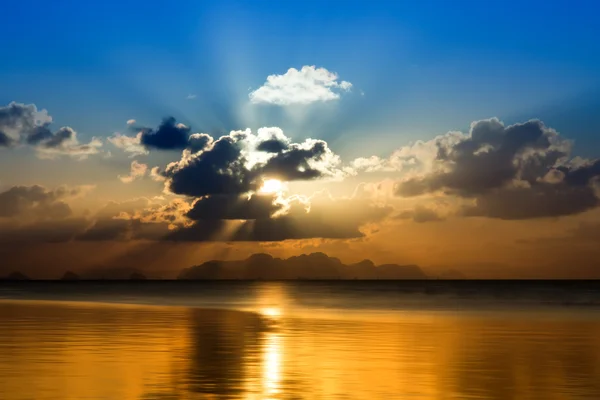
(261, 266)
(306, 266)
(15, 276)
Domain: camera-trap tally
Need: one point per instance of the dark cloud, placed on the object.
(42, 231)
(234, 207)
(236, 163)
(490, 156)
(199, 141)
(35, 202)
(169, 136)
(107, 229)
(240, 219)
(219, 170)
(34, 214)
(39, 134)
(515, 172)
(420, 214)
(538, 201)
(582, 175)
(294, 163)
(272, 146)
(321, 217)
(59, 138)
(5, 140)
(20, 123)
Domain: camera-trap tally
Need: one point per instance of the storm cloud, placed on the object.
(519, 171)
(236, 163)
(319, 216)
(234, 207)
(169, 135)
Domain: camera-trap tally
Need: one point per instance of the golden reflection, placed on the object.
(272, 364)
(51, 351)
(271, 312)
(271, 299)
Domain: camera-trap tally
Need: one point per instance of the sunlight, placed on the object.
(271, 312)
(271, 186)
(272, 364)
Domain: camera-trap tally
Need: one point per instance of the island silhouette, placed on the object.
(260, 266)
(263, 266)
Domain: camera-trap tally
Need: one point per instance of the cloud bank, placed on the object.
(517, 172)
(521, 171)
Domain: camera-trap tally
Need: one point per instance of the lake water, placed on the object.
(343, 340)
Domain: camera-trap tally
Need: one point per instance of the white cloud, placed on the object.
(191, 96)
(130, 121)
(138, 170)
(308, 85)
(64, 142)
(129, 144)
(155, 174)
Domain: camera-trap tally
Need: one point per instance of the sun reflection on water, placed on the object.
(271, 312)
(272, 364)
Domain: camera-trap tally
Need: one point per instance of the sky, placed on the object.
(160, 135)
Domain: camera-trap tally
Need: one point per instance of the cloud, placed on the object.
(27, 203)
(225, 207)
(519, 171)
(319, 216)
(138, 170)
(191, 97)
(129, 144)
(155, 174)
(24, 124)
(42, 231)
(64, 142)
(124, 221)
(174, 214)
(306, 86)
(241, 218)
(169, 135)
(106, 229)
(34, 214)
(21, 122)
(538, 201)
(236, 163)
(131, 121)
(198, 142)
(420, 214)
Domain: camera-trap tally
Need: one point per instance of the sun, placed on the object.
(271, 186)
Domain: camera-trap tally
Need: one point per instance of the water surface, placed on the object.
(298, 341)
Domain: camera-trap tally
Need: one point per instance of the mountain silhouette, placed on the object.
(137, 276)
(70, 276)
(16, 276)
(305, 266)
(116, 273)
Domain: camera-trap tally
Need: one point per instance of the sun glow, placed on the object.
(271, 186)
(271, 312)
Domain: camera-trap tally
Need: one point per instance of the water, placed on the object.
(354, 340)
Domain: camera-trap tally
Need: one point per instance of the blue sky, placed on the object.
(424, 67)
(368, 78)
